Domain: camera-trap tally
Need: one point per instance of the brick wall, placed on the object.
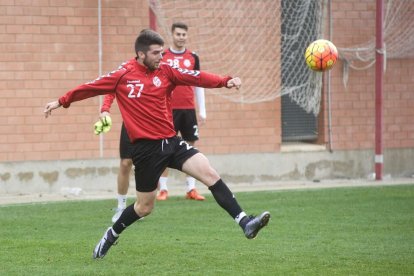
(49, 47)
(353, 107)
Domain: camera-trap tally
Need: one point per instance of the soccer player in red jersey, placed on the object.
(142, 89)
(183, 103)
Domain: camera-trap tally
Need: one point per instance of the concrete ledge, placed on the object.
(68, 176)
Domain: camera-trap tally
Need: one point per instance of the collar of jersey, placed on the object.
(177, 52)
(141, 68)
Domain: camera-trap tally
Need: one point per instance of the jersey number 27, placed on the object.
(135, 90)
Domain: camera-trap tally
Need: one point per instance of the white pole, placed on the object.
(101, 137)
(379, 82)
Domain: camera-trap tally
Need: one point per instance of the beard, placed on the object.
(150, 66)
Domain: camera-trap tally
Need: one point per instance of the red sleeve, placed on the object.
(107, 102)
(180, 76)
(102, 85)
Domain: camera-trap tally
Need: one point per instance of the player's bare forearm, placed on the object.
(49, 107)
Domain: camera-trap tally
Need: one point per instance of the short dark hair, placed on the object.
(146, 38)
(180, 25)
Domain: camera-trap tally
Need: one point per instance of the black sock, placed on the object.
(225, 198)
(128, 217)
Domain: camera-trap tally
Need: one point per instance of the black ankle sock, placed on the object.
(225, 198)
(128, 217)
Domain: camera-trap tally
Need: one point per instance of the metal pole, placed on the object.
(152, 16)
(329, 83)
(379, 73)
(101, 137)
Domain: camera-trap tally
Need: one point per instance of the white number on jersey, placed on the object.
(173, 62)
(133, 92)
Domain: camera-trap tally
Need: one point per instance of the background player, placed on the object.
(125, 155)
(182, 103)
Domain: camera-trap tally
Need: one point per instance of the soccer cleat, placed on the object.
(163, 195)
(118, 212)
(193, 194)
(255, 224)
(104, 244)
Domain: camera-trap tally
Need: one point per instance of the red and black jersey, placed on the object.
(142, 95)
(182, 96)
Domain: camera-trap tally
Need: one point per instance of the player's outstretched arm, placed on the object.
(51, 106)
(234, 82)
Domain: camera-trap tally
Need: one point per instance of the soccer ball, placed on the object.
(321, 55)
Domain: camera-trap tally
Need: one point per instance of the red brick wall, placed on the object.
(236, 128)
(353, 107)
(48, 47)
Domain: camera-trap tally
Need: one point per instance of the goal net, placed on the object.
(261, 41)
(398, 38)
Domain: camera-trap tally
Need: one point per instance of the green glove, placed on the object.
(103, 125)
(98, 127)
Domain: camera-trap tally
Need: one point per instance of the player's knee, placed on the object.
(126, 165)
(143, 210)
(211, 176)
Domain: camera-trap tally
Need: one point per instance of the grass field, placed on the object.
(341, 231)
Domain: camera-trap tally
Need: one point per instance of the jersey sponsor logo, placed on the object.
(133, 81)
(187, 63)
(156, 81)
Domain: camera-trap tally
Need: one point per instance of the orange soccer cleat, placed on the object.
(163, 195)
(193, 194)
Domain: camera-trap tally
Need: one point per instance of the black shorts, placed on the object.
(151, 157)
(185, 122)
(125, 145)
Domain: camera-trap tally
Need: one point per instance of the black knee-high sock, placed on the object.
(128, 217)
(225, 198)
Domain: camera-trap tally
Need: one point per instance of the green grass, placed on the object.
(342, 231)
